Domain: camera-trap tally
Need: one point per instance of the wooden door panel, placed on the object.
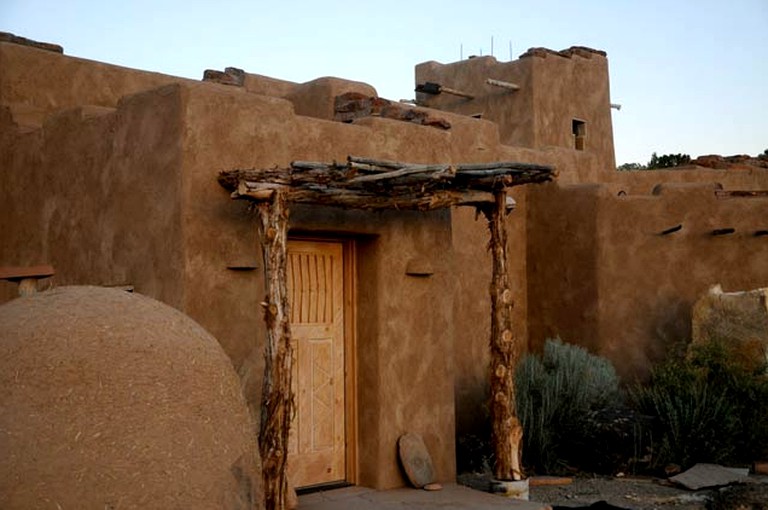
(315, 289)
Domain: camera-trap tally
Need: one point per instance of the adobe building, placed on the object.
(110, 175)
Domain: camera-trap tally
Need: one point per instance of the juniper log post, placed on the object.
(507, 433)
(276, 395)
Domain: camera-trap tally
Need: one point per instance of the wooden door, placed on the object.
(315, 274)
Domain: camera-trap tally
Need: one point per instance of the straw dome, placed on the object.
(114, 400)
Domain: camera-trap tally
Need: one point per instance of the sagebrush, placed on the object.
(559, 395)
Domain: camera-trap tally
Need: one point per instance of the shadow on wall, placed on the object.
(670, 331)
(474, 452)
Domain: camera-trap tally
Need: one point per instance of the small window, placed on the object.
(579, 128)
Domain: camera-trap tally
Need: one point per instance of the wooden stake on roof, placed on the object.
(370, 184)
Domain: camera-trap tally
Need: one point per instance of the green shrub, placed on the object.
(557, 395)
(690, 415)
(705, 408)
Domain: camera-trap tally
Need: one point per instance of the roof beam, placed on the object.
(369, 184)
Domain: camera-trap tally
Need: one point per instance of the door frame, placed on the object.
(349, 283)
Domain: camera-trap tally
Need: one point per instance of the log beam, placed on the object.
(380, 184)
(507, 431)
(277, 400)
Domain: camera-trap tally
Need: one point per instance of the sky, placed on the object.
(691, 75)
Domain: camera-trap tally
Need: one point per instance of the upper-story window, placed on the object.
(579, 128)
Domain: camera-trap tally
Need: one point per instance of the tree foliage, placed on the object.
(668, 160)
(656, 162)
(631, 166)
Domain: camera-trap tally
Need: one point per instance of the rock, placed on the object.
(230, 76)
(739, 319)
(416, 460)
(354, 105)
(739, 161)
(702, 476)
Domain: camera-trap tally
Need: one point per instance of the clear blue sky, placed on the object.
(692, 75)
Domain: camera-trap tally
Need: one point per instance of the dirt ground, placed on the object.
(643, 494)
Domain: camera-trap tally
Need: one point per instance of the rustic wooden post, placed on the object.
(277, 402)
(507, 432)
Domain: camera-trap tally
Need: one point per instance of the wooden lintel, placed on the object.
(347, 199)
(364, 183)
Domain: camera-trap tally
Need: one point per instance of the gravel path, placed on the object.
(643, 494)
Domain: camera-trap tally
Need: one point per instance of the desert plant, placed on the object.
(557, 394)
(706, 408)
(745, 384)
(690, 416)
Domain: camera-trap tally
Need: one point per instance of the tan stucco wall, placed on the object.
(95, 192)
(648, 283)
(575, 87)
(601, 275)
(512, 111)
(562, 264)
(643, 182)
(36, 83)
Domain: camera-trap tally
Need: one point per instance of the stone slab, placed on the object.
(702, 476)
(416, 460)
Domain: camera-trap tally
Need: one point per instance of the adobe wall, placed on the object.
(574, 84)
(87, 190)
(512, 111)
(562, 264)
(639, 182)
(601, 273)
(36, 82)
(648, 282)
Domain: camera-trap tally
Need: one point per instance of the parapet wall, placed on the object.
(36, 82)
